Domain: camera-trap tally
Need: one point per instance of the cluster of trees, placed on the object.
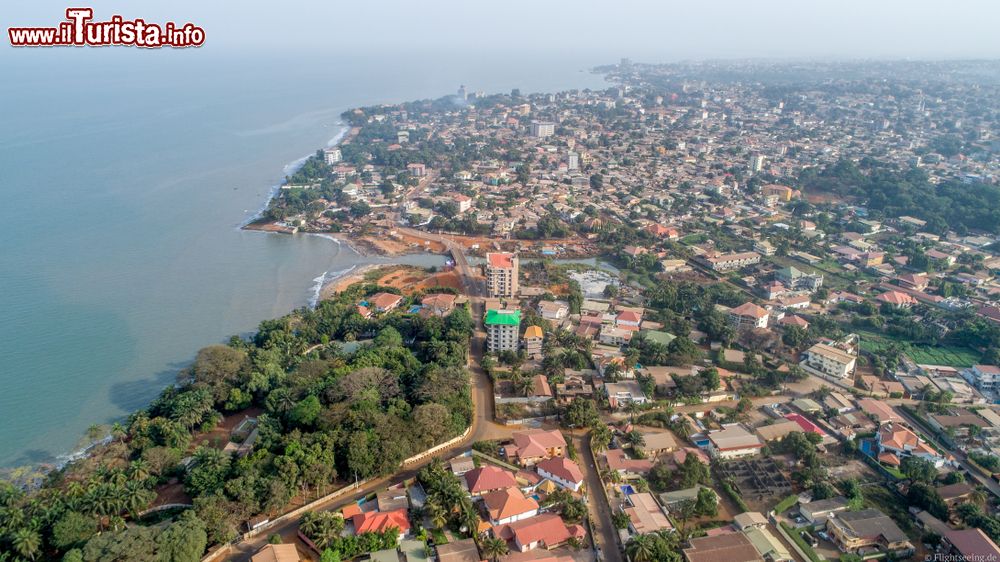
(892, 192)
(328, 416)
(688, 474)
(324, 528)
(447, 502)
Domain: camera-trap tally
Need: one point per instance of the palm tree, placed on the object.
(600, 438)
(27, 542)
(978, 497)
(135, 497)
(139, 469)
(493, 548)
(632, 408)
(640, 548)
(438, 515)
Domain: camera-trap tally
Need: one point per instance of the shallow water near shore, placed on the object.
(124, 178)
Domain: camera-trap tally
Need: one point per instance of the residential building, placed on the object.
(384, 302)
(509, 505)
(733, 441)
(534, 445)
(971, 544)
(626, 467)
(729, 547)
(816, 512)
(542, 129)
(748, 316)
(645, 515)
(332, 156)
(768, 545)
(488, 478)
(562, 471)
(828, 360)
(381, 521)
(623, 393)
(277, 553)
(533, 337)
(795, 279)
(502, 329)
(464, 550)
(656, 443)
(730, 262)
(543, 531)
(896, 442)
(855, 530)
(501, 274)
(439, 304)
(983, 377)
(553, 311)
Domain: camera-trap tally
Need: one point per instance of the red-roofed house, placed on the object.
(748, 315)
(535, 445)
(508, 506)
(381, 521)
(545, 531)
(895, 298)
(625, 466)
(562, 471)
(899, 441)
(487, 479)
(384, 302)
(805, 424)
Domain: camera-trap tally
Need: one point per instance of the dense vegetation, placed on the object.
(323, 416)
(891, 192)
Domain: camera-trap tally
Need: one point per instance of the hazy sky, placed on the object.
(648, 30)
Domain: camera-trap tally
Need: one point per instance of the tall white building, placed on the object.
(573, 161)
(332, 155)
(542, 129)
(757, 163)
(501, 274)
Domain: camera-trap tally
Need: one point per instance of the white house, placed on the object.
(562, 471)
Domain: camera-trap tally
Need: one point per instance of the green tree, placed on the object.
(184, 540)
(493, 548)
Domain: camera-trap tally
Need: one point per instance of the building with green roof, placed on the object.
(503, 328)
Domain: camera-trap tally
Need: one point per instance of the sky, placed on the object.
(645, 31)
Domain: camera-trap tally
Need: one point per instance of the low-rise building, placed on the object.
(868, 528)
(509, 505)
(828, 360)
(729, 547)
(534, 445)
(733, 441)
(623, 393)
(748, 316)
(533, 337)
(818, 511)
(562, 471)
(645, 515)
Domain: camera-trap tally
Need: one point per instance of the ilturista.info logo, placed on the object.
(79, 30)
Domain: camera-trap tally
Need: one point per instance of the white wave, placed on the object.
(290, 169)
(323, 280)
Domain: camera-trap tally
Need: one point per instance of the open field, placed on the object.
(952, 356)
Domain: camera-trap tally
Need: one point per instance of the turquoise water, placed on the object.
(123, 178)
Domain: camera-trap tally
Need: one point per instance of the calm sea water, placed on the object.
(123, 179)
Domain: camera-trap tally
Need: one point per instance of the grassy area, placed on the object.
(786, 504)
(950, 355)
(696, 238)
(796, 535)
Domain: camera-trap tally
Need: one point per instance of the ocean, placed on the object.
(124, 178)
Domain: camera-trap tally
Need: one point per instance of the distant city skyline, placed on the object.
(644, 31)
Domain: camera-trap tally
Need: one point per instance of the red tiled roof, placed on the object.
(536, 442)
(508, 503)
(488, 478)
(749, 309)
(380, 521)
(562, 468)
